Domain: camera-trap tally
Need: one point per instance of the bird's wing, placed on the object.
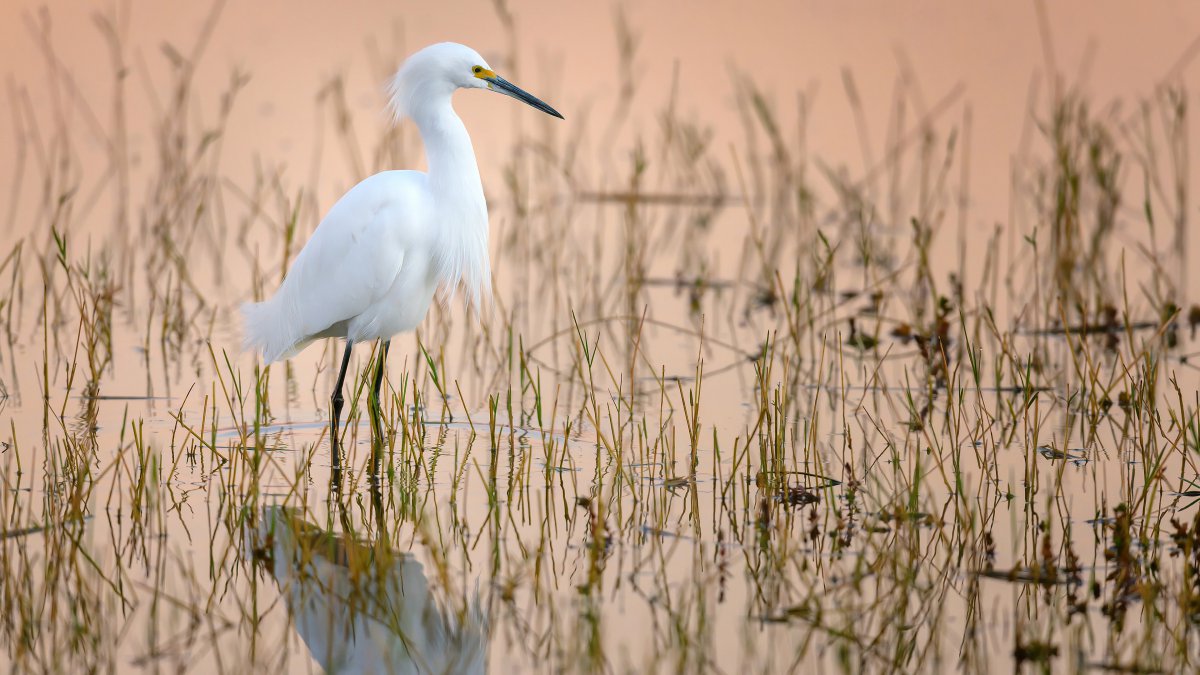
(356, 252)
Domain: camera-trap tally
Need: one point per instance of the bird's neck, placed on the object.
(458, 198)
(453, 172)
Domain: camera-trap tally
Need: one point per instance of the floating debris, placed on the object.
(764, 478)
(1076, 456)
(1038, 574)
(1035, 651)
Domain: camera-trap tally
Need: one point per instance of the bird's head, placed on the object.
(438, 70)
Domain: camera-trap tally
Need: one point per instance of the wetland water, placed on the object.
(843, 340)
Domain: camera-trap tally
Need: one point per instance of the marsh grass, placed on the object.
(834, 446)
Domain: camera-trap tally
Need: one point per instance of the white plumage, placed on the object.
(366, 273)
(373, 265)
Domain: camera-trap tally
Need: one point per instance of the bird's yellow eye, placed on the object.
(477, 69)
(482, 73)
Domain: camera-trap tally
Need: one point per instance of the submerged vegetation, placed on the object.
(731, 410)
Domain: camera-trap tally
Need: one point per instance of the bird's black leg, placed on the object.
(377, 408)
(383, 352)
(335, 418)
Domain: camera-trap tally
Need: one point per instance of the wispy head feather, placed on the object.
(432, 73)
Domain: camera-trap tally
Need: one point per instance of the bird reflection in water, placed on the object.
(362, 607)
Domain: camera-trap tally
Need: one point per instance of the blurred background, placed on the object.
(591, 59)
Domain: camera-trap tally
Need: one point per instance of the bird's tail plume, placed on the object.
(266, 332)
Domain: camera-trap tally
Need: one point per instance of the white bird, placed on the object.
(373, 265)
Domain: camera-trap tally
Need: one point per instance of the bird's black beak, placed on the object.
(503, 86)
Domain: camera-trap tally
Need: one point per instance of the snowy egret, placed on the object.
(371, 268)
